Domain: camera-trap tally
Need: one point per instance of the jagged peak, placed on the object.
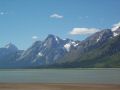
(53, 38)
(10, 46)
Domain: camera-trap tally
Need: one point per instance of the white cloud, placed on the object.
(3, 13)
(57, 16)
(83, 31)
(116, 26)
(34, 37)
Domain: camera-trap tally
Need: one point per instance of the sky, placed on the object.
(22, 22)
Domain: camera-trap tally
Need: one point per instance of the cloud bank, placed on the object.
(83, 31)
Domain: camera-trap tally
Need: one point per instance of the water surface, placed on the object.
(101, 76)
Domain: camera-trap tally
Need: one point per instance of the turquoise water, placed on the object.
(104, 76)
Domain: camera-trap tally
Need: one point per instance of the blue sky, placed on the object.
(22, 21)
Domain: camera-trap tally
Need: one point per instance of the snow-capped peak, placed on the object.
(116, 26)
(116, 29)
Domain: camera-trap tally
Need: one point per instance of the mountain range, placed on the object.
(102, 49)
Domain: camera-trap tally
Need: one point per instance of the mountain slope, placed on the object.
(8, 55)
(102, 49)
(48, 51)
(106, 55)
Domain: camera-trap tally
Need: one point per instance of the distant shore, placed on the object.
(42, 86)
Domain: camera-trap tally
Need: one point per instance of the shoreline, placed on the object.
(28, 69)
(58, 86)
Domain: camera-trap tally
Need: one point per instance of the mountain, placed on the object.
(106, 55)
(116, 31)
(48, 51)
(102, 49)
(8, 55)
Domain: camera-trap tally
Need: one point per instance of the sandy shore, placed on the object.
(58, 87)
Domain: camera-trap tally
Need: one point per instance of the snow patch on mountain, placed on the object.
(67, 46)
(115, 34)
(11, 46)
(99, 38)
(116, 26)
(56, 38)
(71, 43)
(40, 54)
(74, 44)
(116, 29)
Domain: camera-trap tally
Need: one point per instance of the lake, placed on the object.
(78, 75)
